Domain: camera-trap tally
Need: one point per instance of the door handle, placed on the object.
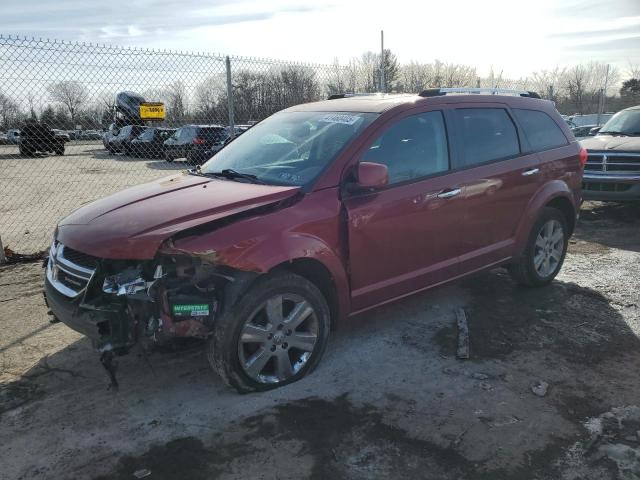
(450, 193)
(528, 173)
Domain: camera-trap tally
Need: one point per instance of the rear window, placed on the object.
(486, 135)
(217, 134)
(541, 131)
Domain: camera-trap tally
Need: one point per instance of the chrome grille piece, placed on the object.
(613, 162)
(69, 271)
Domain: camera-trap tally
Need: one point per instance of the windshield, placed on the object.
(626, 122)
(290, 148)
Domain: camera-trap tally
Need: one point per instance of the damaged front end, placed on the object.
(120, 303)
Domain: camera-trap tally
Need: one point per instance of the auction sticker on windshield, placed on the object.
(340, 118)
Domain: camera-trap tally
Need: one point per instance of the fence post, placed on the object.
(3, 258)
(230, 98)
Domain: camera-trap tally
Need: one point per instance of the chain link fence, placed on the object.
(85, 145)
(71, 132)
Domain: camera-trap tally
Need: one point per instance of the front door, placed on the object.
(400, 237)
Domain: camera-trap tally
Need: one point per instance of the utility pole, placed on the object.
(232, 126)
(382, 85)
(603, 96)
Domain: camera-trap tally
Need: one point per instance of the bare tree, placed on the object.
(208, 95)
(71, 94)
(177, 101)
(9, 112)
(633, 71)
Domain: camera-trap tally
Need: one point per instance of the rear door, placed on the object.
(400, 237)
(497, 176)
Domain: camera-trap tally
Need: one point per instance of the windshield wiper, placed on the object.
(232, 174)
(612, 132)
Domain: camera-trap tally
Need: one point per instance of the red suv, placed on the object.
(319, 212)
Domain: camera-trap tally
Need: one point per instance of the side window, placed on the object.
(485, 134)
(413, 147)
(541, 131)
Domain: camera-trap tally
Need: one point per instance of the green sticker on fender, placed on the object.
(191, 310)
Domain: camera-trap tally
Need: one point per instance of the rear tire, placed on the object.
(273, 335)
(168, 157)
(546, 249)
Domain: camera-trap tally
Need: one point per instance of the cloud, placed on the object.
(124, 19)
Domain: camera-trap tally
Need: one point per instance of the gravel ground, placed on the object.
(38, 191)
(389, 400)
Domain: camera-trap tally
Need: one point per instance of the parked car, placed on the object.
(612, 172)
(39, 137)
(150, 143)
(193, 141)
(320, 212)
(585, 131)
(13, 136)
(108, 135)
(61, 134)
(120, 140)
(239, 129)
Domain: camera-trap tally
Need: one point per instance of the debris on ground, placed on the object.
(15, 257)
(540, 388)
(463, 334)
(142, 473)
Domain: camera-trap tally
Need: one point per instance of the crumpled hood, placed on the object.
(610, 142)
(133, 223)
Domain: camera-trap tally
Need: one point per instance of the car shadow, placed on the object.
(607, 225)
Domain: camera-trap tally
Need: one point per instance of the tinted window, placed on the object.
(147, 135)
(541, 131)
(414, 147)
(485, 134)
(213, 134)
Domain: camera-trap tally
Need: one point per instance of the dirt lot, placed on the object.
(38, 191)
(389, 400)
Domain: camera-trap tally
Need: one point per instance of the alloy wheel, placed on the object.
(548, 248)
(278, 338)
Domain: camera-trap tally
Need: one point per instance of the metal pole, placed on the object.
(230, 98)
(603, 97)
(382, 85)
(3, 258)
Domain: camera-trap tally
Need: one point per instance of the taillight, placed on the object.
(198, 141)
(583, 156)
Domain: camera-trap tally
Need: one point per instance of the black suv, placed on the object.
(612, 172)
(120, 139)
(193, 141)
(39, 137)
(150, 143)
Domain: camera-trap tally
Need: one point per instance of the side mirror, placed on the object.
(372, 175)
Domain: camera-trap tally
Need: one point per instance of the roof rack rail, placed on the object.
(335, 96)
(437, 92)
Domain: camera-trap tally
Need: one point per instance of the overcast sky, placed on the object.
(511, 35)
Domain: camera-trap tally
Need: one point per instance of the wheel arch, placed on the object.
(318, 274)
(554, 194)
(564, 205)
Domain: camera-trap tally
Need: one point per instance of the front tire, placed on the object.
(545, 252)
(272, 336)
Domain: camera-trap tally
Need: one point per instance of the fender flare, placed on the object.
(546, 194)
